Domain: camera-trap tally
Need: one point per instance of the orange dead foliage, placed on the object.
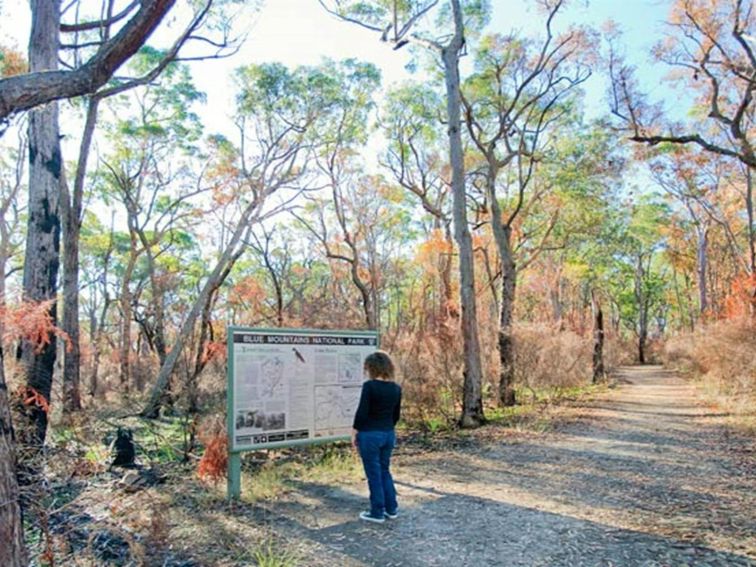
(31, 321)
(213, 350)
(742, 297)
(31, 397)
(214, 462)
(12, 62)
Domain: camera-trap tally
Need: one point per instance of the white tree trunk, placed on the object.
(472, 403)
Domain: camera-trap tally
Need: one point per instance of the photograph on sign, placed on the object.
(292, 386)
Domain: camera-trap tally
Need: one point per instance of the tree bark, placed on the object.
(125, 350)
(12, 550)
(41, 260)
(506, 336)
(640, 298)
(472, 402)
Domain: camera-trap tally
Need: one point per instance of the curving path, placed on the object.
(642, 475)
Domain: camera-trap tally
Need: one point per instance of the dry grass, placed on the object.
(547, 360)
(722, 356)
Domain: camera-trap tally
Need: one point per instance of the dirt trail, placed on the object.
(643, 475)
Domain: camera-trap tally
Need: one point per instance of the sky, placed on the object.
(301, 32)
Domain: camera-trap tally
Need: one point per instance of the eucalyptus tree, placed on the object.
(412, 124)
(639, 279)
(520, 89)
(46, 83)
(401, 23)
(344, 127)
(207, 25)
(99, 290)
(277, 111)
(710, 50)
(149, 172)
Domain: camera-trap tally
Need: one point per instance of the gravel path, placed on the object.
(643, 475)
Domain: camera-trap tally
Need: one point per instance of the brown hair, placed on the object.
(379, 365)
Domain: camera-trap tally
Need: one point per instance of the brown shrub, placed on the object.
(723, 356)
(620, 351)
(430, 372)
(548, 358)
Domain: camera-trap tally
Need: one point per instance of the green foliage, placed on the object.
(332, 100)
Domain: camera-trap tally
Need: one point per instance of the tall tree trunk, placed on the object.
(125, 354)
(751, 221)
(472, 402)
(201, 359)
(97, 326)
(506, 318)
(503, 238)
(12, 550)
(598, 339)
(751, 238)
(642, 337)
(640, 298)
(158, 332)
(71, 208)
(41, 260)
(701, 257)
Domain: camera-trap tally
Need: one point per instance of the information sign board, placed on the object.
(291, 386)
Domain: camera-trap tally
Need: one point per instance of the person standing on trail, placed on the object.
(373, 434)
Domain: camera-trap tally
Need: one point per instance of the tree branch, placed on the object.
(22, 92)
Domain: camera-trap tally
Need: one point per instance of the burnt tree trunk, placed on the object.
(41, 259)
(599, 372)
(642, 302)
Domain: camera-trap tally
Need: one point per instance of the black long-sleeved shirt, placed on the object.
(380, 406)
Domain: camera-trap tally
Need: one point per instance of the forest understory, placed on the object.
(642, 471)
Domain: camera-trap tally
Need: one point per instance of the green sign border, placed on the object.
(234, 455)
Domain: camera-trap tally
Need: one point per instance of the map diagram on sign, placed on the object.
(272, 374)
(335, 406)
(350, 368)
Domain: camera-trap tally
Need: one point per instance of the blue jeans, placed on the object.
(375, 449)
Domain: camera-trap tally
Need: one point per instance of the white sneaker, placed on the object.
(369, 518)
(393, 516)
